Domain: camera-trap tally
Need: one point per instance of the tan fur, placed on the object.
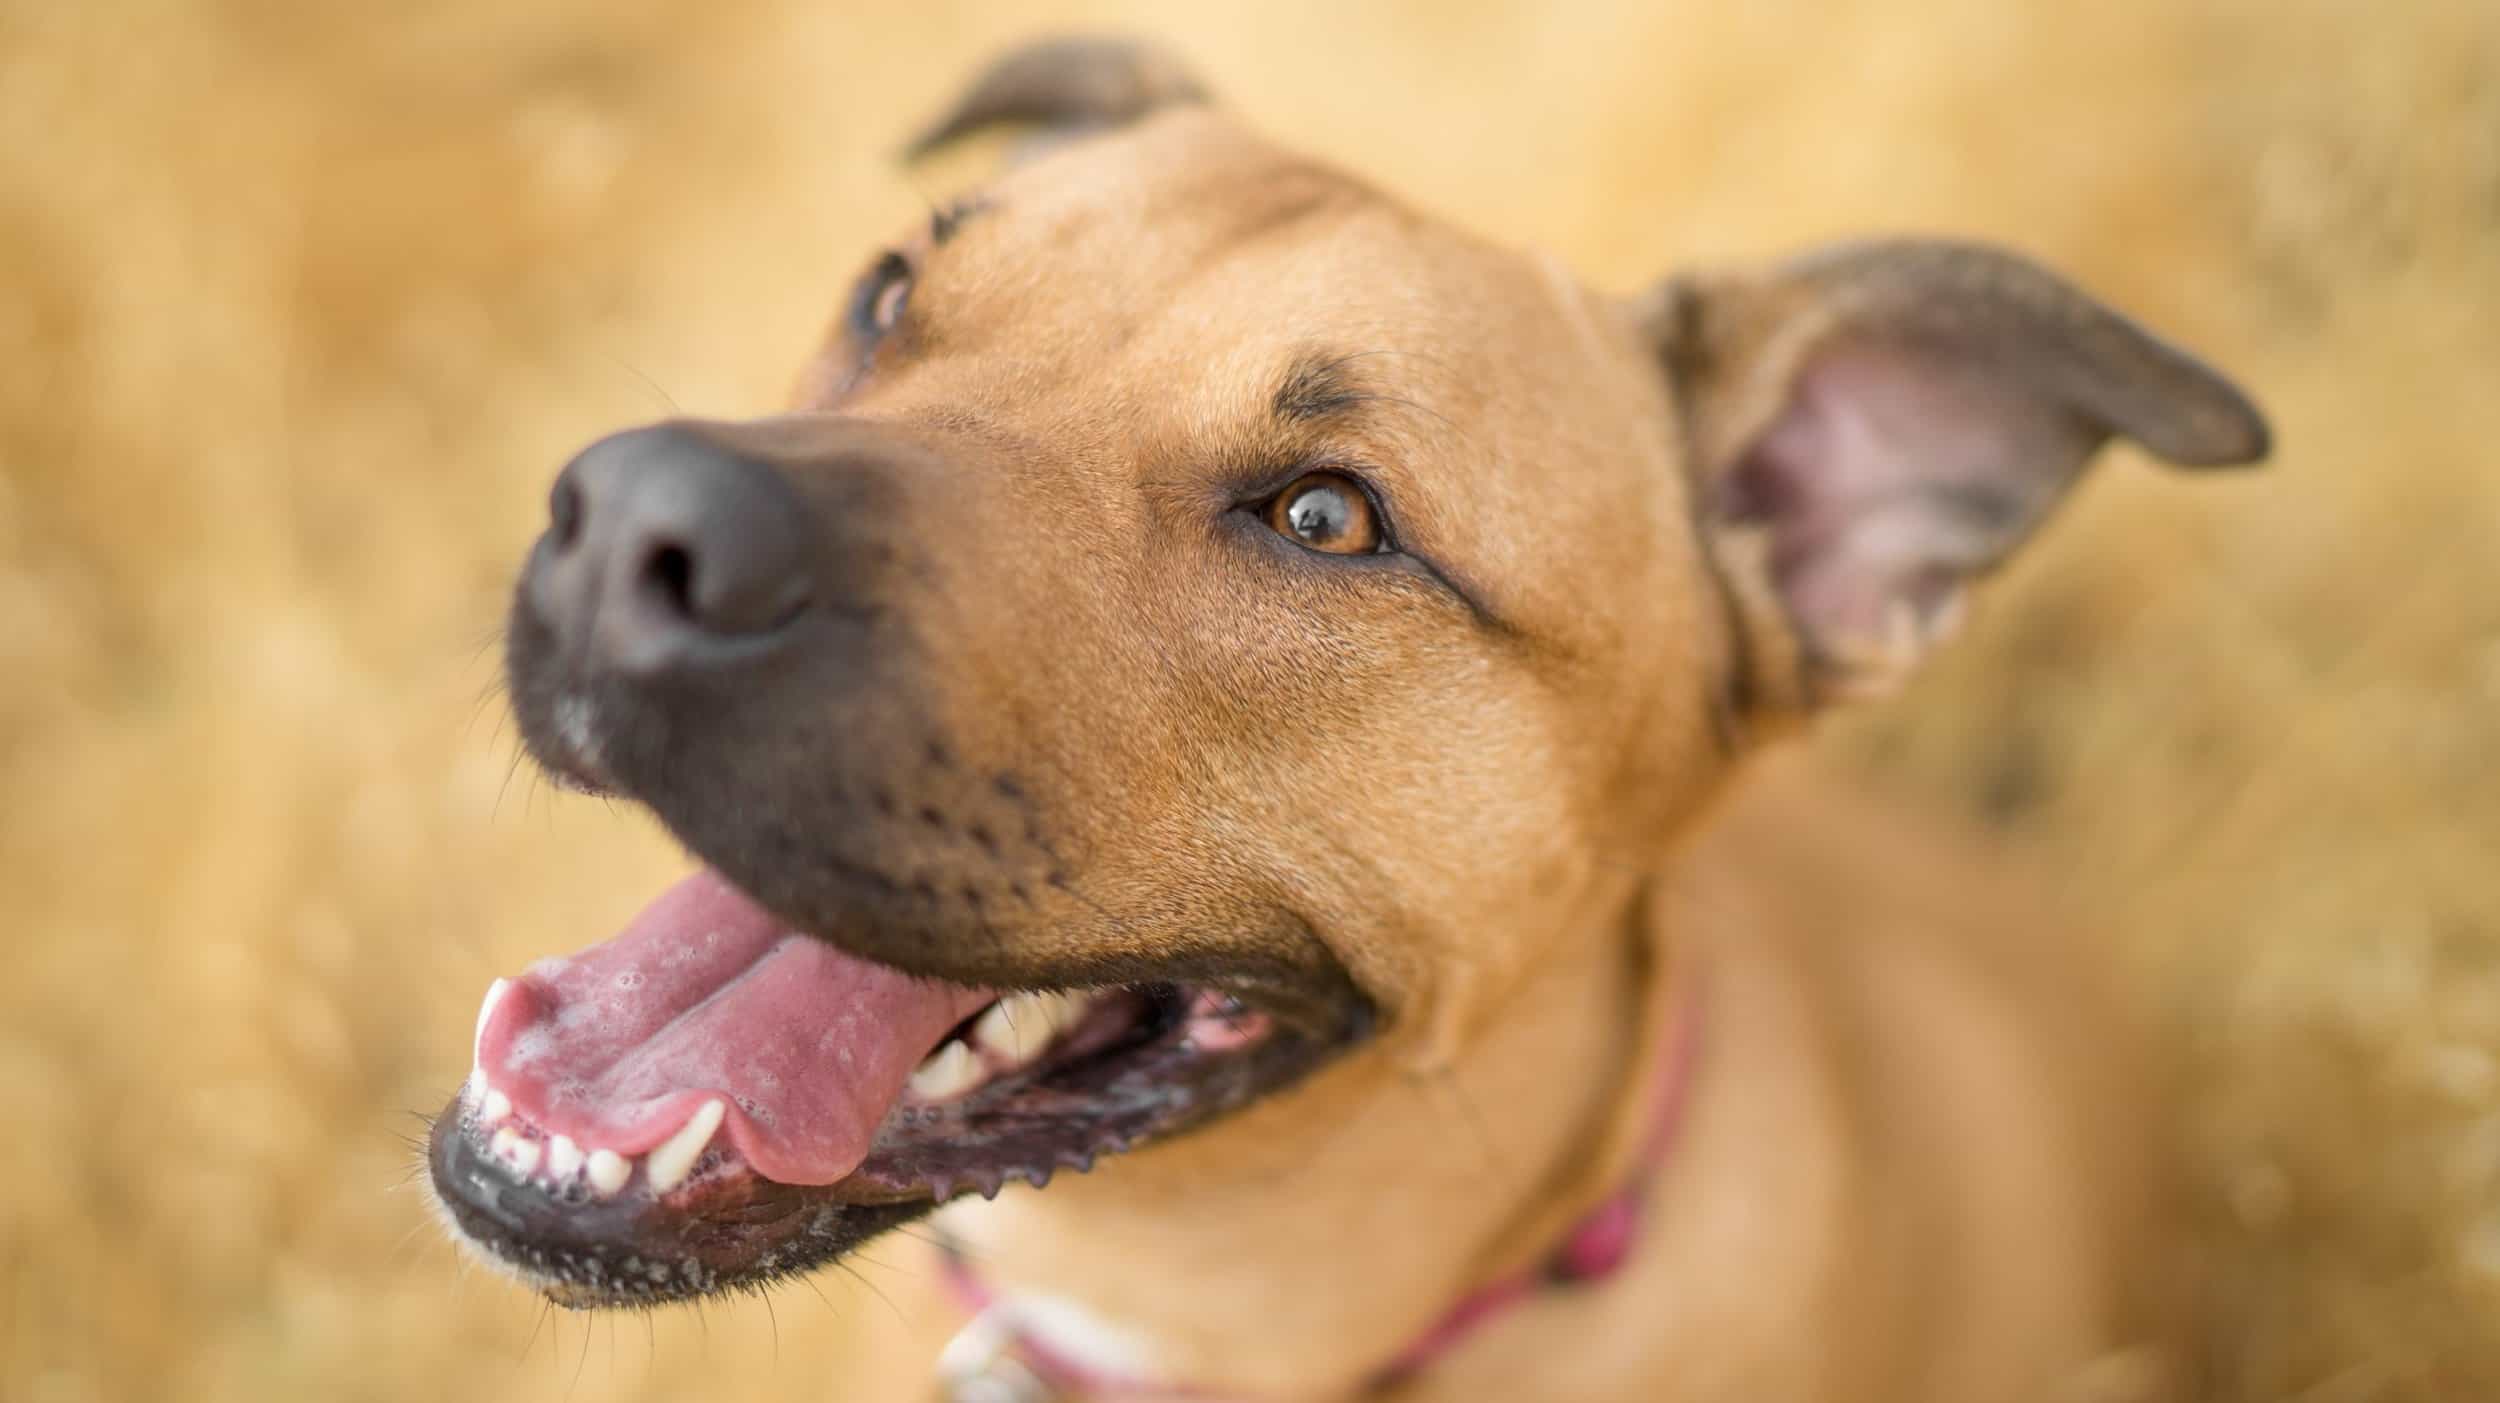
(1917, 1164)
(1920, 1164)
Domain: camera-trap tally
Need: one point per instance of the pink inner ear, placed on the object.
(1894, 473)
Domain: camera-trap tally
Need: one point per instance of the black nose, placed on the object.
(665, 550)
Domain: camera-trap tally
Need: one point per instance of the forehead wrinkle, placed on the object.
(1237, 190)
(1268, 207)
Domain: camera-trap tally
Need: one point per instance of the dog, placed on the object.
(1224, 681)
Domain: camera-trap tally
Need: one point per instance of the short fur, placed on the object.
(1114, 728)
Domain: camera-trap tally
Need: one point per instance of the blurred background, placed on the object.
(301, 304)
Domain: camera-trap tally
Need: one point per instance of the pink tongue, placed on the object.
(705, 995)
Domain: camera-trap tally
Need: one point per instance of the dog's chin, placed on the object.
(713, 1100)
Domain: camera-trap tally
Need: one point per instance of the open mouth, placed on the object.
(711, 1100)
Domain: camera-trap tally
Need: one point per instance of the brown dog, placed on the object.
(1291, 644)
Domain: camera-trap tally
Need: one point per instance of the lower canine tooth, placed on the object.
(608, 1171)
(948, 1073)
(493, 1107)
(669, 1165)
(515, 1149)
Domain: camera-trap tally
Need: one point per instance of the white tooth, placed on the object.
(1011, 1029)
(486, 1010)
(515, 1149)
(669, 1165)
(948, 1073)
(493, 1107)
(608, 1171)
(1063, 1011)
(1019, 1026)
(564, 1157)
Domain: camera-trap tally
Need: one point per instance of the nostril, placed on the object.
(661, 545)
(670, 570)
(564, 511)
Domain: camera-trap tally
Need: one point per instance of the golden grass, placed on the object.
(300, 305)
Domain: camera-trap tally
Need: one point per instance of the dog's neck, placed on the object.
(1541, 1116)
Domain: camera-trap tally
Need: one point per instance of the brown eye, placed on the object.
(882, 297)
(1327, 513)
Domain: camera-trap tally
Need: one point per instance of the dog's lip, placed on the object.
(1038, 1050)
(724, 1226)
(709, 1017)
(681, 1208)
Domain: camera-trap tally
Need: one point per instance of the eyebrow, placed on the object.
(947, 219)
(1318, 387)
(1315, 389)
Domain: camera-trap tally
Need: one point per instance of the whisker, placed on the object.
(653, 385)
(941, 1243)
(580, 1362)
(509, 770)
(873, 1289)
(546, 1308)
(1468, 1112)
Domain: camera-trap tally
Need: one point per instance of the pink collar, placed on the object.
(1595, 1248)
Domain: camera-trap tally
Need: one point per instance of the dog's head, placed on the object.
(1202, 617)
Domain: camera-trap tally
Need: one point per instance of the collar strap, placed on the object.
(996, 1358)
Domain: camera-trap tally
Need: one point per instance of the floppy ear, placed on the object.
(1064, 88)
(1874, 425)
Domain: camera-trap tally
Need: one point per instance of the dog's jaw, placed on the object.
(712, 1100)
